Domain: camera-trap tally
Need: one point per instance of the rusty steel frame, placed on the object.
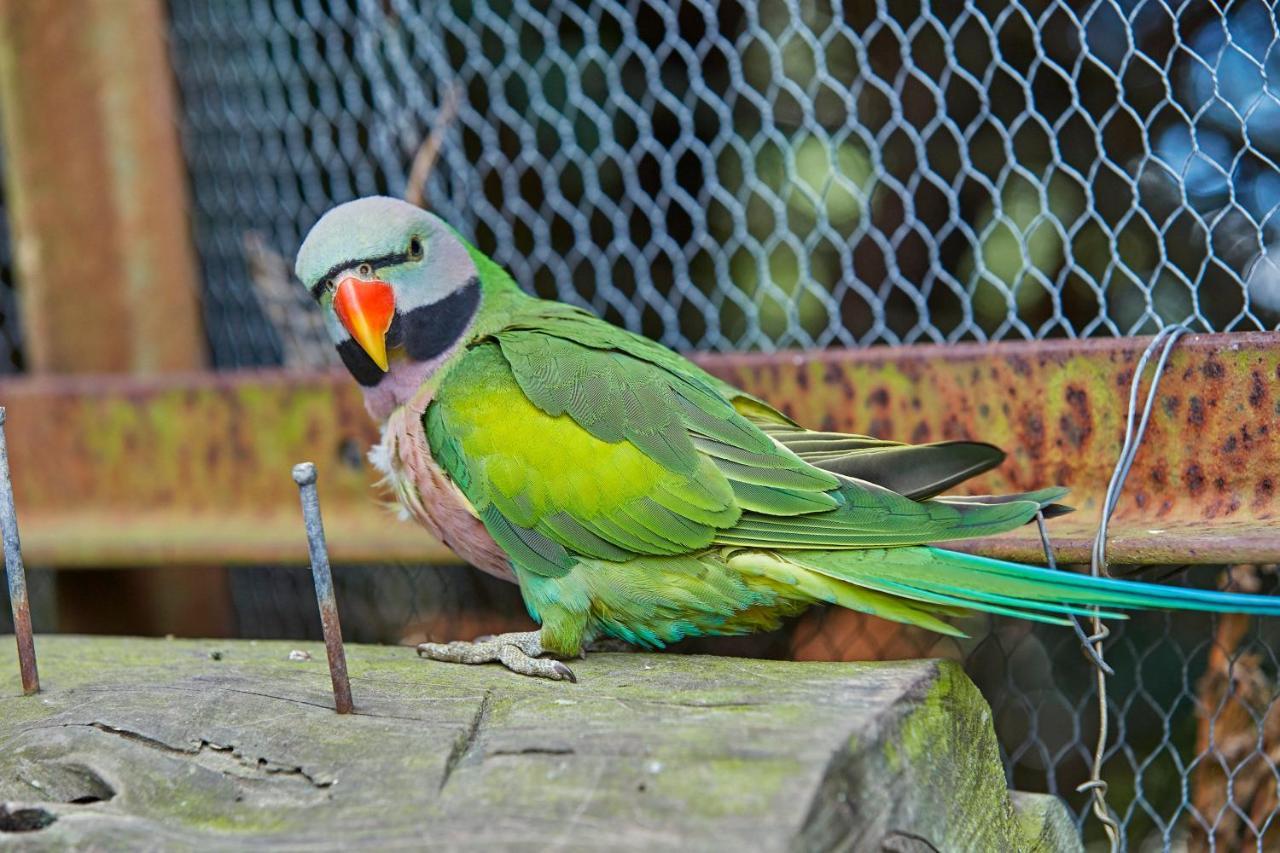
(193, 469)
(104, 258)
(188, 469)
(1203, 488)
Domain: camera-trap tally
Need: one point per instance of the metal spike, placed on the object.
(304, 474)
(17, 575)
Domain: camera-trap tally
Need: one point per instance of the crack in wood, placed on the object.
(898, 841)
(464, 744)
(673, 704)
(286, 699)
(14, 818)
(323, 707)
(643, 704)
(259, 764)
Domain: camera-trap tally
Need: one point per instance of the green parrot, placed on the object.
(631, 494)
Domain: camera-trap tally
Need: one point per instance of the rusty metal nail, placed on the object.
(17, 574)
(304, 474)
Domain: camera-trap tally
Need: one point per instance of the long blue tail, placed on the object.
(943, 581)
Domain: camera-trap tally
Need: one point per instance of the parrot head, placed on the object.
(394, 282)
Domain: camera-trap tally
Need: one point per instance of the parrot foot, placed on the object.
(518, 652)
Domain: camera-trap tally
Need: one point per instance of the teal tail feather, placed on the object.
(942, 583)
(1034, 582)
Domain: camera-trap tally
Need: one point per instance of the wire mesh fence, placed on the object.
(730, 175)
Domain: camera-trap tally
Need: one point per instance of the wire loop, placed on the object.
(1092, 644)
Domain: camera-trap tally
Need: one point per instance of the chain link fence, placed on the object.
(743, 175)
(795, 174)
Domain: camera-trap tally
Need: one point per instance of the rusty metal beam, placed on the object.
(194, 469)
(1204, 486)
(187, 469)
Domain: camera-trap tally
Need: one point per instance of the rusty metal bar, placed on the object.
(1203, 488)
(304, 474)
(16, 574)
(179, 469)
(185, 470)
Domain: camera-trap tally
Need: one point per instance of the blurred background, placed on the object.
(720, 176)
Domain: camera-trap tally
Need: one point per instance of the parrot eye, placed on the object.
(415, 249)
(365, 270)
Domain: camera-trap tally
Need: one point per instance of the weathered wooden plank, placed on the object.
(195, 468)
(158, 743)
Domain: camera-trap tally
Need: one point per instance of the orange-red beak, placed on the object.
(366, 309)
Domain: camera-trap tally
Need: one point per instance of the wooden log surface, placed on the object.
(225, 745)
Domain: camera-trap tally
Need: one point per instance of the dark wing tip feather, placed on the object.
(1056, 510)
(915, 471)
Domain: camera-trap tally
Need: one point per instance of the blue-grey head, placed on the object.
(393, 280)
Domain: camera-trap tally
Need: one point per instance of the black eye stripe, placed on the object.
(381, 261)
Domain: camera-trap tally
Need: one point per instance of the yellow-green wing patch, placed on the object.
(675, 417)
(548, 489)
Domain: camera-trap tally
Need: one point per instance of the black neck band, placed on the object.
(425, 332)
(430, 330)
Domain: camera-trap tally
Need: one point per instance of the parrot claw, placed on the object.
(518, 652)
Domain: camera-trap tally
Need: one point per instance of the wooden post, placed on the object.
(96, 188)
(97, 203)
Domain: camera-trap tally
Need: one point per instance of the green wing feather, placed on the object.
(546, 486)
(913, 471)
(873, 516)
(573, 438)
